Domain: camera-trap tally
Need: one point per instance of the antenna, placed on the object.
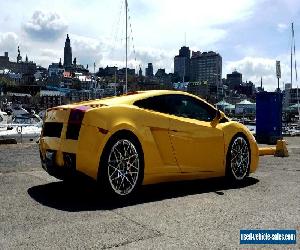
(184, 38)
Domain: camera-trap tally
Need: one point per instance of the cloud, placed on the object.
(104, 52)
(9, 42)
(253, 68)
(159, 57)
(45, 26)
(48, 56)
(115, 56)
(87, 50)
(281, 27)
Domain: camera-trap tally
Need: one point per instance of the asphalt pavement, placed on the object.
(38, 211)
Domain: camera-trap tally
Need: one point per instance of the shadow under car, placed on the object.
(85, 196)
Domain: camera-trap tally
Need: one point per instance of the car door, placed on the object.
(156, 120)
(197, 144)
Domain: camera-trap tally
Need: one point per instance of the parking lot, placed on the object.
(38, 211)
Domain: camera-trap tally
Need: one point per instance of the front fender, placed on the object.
(230, 130)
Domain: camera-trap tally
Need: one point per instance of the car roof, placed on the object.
(131, 97)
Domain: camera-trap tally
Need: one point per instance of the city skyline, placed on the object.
(247, 40)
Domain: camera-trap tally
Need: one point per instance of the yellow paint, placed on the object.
(198, 146)
(281, 149)
(267, 151)
(175, 148)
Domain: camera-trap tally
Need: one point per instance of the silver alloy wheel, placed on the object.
(239, 160)
(123, 167)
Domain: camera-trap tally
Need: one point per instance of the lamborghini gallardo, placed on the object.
(145, 137)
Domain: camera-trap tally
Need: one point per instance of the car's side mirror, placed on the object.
(219, 116)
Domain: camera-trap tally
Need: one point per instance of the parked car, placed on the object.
(145, 137)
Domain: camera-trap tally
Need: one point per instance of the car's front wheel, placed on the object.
(122, 166)
(238, 158)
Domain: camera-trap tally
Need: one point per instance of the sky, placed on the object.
(250, 35)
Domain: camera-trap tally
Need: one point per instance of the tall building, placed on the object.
(234, 80)
(182, 63)
(149, 70)
(185, 51)
(68, 53)
(206, 66)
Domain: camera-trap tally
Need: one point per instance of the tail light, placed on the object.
(75, 120)
(77, 114)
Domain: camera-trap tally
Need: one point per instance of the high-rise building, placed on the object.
(234, 80)
(185, 51)
(68, 53)
(149, 70)
(182, 63)
(206, 66)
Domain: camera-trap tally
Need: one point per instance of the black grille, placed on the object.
(52, 129)
(73, 131)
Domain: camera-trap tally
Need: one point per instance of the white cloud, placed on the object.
(87, 50)
(253, 68)
(158, 29)
(282, 27)
(45, 26)
(9, 41)
(48, 56)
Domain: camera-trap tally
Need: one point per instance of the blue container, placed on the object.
(268, 117)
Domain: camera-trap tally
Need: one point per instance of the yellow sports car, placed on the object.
(145, 137)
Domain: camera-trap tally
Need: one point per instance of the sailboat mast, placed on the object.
(292, 55)
(126, 80)
(293, 47)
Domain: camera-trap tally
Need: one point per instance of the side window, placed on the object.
(189, 107)
(155, 103)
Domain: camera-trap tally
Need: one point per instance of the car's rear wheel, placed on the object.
(122, 166)
(238, 158)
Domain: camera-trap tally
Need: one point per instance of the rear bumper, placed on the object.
(68, 170)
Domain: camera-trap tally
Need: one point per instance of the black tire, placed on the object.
(238, 158)
(121, 169)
